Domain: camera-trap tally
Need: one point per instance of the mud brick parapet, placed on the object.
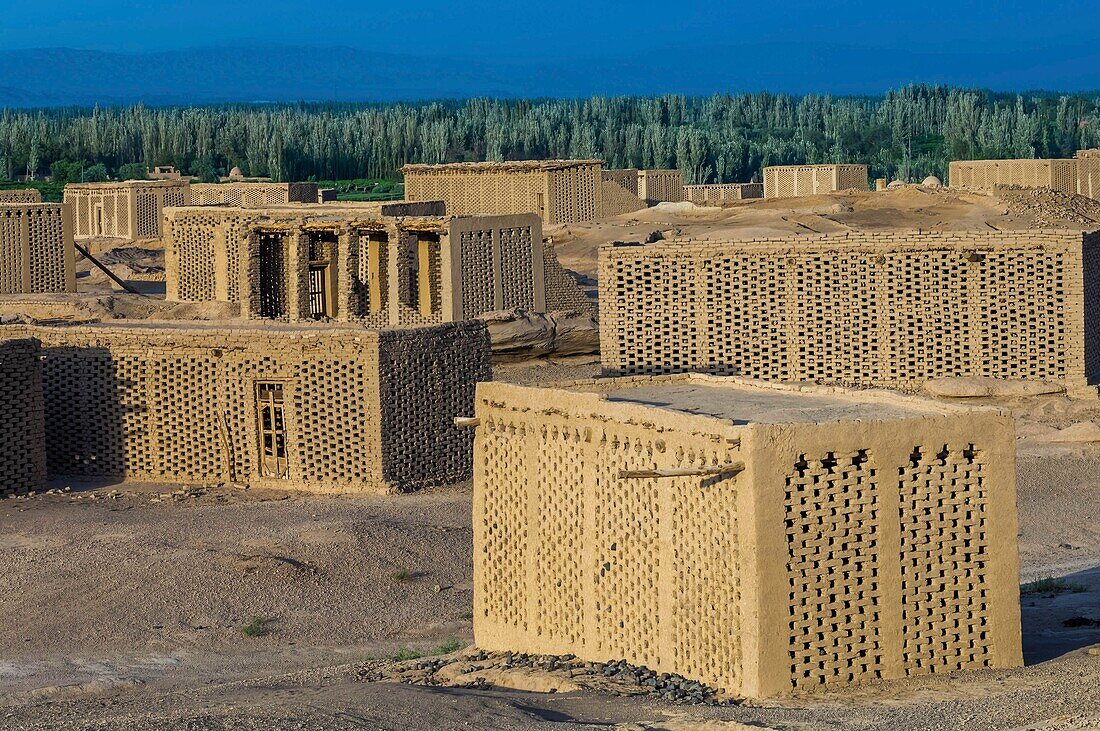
(21, 195)
(559, 191)
(130, 209)
(358, 409)
(36, 248)
(252, 195)
(718, 193)
(862, 308)
(788, 181)
(22, 426)
(986, 174)
(819, 537)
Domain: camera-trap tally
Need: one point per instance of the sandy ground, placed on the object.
(124, 606)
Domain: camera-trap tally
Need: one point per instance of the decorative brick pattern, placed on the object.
(828, 552)
(986, 174)
(788, 181)
(131, 209)
(21, 195)
(862, 308)
(365, 410)
(36, 248)
(713, 194)
(252, 195)
(22, 429)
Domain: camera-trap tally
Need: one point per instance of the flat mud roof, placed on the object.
(740, 403)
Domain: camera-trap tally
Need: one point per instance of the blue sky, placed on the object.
(1002, 44)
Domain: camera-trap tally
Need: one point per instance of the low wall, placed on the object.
(883, 308)
(718, 193)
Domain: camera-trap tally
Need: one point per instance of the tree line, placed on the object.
(907, 133)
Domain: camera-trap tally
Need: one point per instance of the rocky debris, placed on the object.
(984, 387)
(519, 335)
(472, 668)
(1049, 208)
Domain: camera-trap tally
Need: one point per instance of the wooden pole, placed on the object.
(708, 471)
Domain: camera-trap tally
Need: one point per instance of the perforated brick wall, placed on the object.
(617, 200)
(718, 193)
(788, 181)
(862, 308)
(661, 186)
(252, 195)
(22, 430)
(180, 404)
(985, 174)
(559, 191)
(36, 248)
(878, 543)
(21, 195)
(475, 264)
(131, 209)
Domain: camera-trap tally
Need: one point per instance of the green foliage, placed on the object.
(910, 132)
(52, 192)
(448, 647)
(406, 654)
(1051, 586)
(132, 171)
(257, 626)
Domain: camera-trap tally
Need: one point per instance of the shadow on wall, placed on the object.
(85, 427)
(1060, 615)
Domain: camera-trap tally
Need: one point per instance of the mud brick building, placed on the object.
(252, 195)
(21, 195)
(986, 174)
(22, 425)
(309, 407)
(131, 209)
(718, 193)
(788, 181)
(353, 263)
(861, 308)
(760, 538)
(660, 186)
(36, 248)
(559, 191)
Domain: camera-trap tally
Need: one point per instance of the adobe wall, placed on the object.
(36, 248)
(788, 181)
(661, 186)
(718, 193)
(627, 178)
(860, 308)
(479, 263)
(175, 403)
(252, 195)
(986, 174)
(22, 428)
(844, 551)
(559, 191)
(23, 195)
(131, 209)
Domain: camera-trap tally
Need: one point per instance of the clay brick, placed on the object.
(848, 536)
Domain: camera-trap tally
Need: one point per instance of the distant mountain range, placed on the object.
(64, 76)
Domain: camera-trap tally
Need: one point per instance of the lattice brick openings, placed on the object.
(21, 195)
(559, 191)
(985, 174)
(718, 193)
(788, 181)
(861, 308)
(23, 456)
(36, 248)
(351, 263)
(826, 537)
(318, 408)
(130, 209)
(252, 195)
